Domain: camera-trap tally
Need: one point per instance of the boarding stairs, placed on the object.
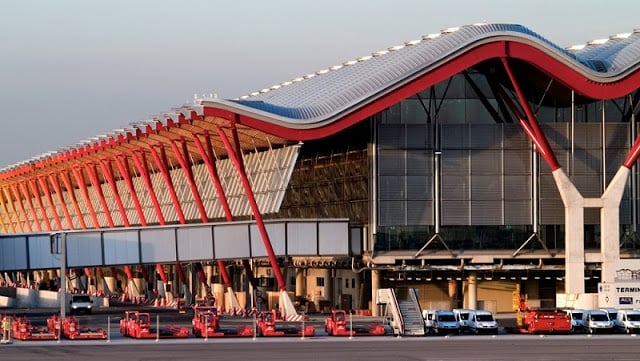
(402, 310)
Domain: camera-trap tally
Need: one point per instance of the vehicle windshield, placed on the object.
(633, 317)
(446, 318)
(484, 317)
(81, 299)
(463, 315)
(599, 317)
(576, 315)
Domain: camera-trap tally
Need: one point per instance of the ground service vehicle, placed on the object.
(577, 323)
(481, 321)
(339, 325)
(80, 303)
(440, 322)
(628, 321)
(24, 330)
(137, 324)
(596, 321)
(72, 330)
(543, 321)
(462, 315)
(267, 325)
(206, 323)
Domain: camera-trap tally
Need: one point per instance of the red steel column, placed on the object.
(140, 161)
(143, 169)
(105, 166)
(548, 154)
(70, 191)
(36, 194)
(254, 206)
(123, 168)
(25, 192)
(16, 193)
(56, 186)
(161, 163)
(77, 173)
(91, 171)
(209, 160)
(47, 194)
(634, 152)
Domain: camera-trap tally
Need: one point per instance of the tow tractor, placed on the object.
(337, 325)
(268, 326)
(206, 323)
(72, 330)
(545, 321)
(137, 324)
(24, 330)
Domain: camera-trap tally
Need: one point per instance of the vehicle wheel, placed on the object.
(590, 330)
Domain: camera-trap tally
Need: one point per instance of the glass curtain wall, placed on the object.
(486, 168)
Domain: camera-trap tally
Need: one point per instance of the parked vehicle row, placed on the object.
(608, 320)
(457, 321)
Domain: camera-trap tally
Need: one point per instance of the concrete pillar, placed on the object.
(453, 293)
(472, 289)
(300, 282)
(574, 232)
(610, 225)
(375, 286)
(328, 286)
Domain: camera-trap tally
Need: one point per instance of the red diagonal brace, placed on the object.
(140, 162)
(123, 168)
(161, 163)
(16, 193)
(77, 174)
(188, 173)
(107, 172)
(254, 206)
(27, 197)
(210, 162)
(56, 186)
(548, 154)
(93, 176)
(12, 207)
(36, 194)
(70, 191)
(6, 213)
(45, 189)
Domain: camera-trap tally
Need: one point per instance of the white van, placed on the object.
(597, 321)
(577, 322)
(628, 321)
(440, 322)
(463, 315)
(481, 321)
(80, 303)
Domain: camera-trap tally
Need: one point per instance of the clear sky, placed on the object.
(73, 69)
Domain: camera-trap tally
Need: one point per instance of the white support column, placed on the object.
(472, 288)
(574, 232)
(375, 286)
(300, 282)
(610, 225)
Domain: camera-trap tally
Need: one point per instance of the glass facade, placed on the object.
(454, 151)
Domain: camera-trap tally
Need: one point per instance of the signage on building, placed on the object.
(619, 295)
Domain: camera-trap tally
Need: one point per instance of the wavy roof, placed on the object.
(326, 94)
(324, 102)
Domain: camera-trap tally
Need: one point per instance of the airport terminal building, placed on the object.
(468, 163)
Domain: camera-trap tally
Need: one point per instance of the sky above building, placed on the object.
(73, 69)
